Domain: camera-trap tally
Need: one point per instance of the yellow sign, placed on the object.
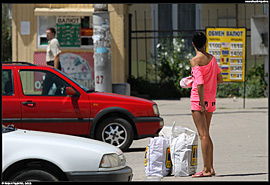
(145, 156)
(228, 46)
(194, 155)
(168, 158)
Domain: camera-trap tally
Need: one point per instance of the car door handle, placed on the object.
(29, 104)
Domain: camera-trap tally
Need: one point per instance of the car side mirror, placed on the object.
(71, 92)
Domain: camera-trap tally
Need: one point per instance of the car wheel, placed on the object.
(34, 175)
(115, 131)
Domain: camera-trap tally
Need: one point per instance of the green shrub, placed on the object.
(174, 64)
(256, 86)
(154, 91)
(228, 90)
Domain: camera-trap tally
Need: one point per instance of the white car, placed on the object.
(41, 156)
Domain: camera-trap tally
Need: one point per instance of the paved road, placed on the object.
(240, 138)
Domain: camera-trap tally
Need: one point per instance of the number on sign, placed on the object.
(99, 79)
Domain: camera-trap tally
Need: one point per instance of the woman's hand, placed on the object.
(200, 89)
(203, 109)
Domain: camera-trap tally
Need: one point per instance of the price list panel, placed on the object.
(228, 46)
(69, 31)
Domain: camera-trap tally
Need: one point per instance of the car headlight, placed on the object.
(112, 161)
(155, 108)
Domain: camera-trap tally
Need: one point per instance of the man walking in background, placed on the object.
(52, 59)
(53, 49)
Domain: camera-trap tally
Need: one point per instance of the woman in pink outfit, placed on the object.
(206, 74)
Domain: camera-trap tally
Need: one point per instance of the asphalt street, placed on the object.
(240, 138)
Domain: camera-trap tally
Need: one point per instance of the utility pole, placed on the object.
(102, 48)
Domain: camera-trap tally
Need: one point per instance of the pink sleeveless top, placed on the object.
(206, 75)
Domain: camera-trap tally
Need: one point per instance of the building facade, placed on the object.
(129, 55)
(184, 20)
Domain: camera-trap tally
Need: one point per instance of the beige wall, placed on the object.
(23, 46)
(140, 44)
(119, 55)
(222, 13)
(64, 5)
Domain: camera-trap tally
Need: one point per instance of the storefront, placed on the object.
(74, 33)
(73, 23)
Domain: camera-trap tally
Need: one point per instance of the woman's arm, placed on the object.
(219, 78)
(200, 89)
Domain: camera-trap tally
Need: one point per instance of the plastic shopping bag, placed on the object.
(184, 147)
(186, 82)
(157, 157)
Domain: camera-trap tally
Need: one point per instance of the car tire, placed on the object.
(34, 175)
(116, 131)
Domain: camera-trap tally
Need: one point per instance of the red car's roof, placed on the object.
(18, 63)
(24, 64)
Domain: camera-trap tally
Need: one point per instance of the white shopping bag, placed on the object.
(186, 82)
(157, 157)
(183, 149)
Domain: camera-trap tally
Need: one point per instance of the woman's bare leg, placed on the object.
(208, 119)
(200, 120)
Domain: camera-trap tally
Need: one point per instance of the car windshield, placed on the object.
(9, 128)
(81, 86)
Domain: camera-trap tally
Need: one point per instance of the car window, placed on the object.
(42, 83)
(7, 83)
(74, 81)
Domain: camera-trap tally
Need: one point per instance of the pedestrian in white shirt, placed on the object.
(52, 59)
(53, 49)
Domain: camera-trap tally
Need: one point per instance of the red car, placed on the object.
(45, 99)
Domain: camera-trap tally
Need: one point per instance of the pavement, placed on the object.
(240, 138)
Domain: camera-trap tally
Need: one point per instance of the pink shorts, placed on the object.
(210, 106)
